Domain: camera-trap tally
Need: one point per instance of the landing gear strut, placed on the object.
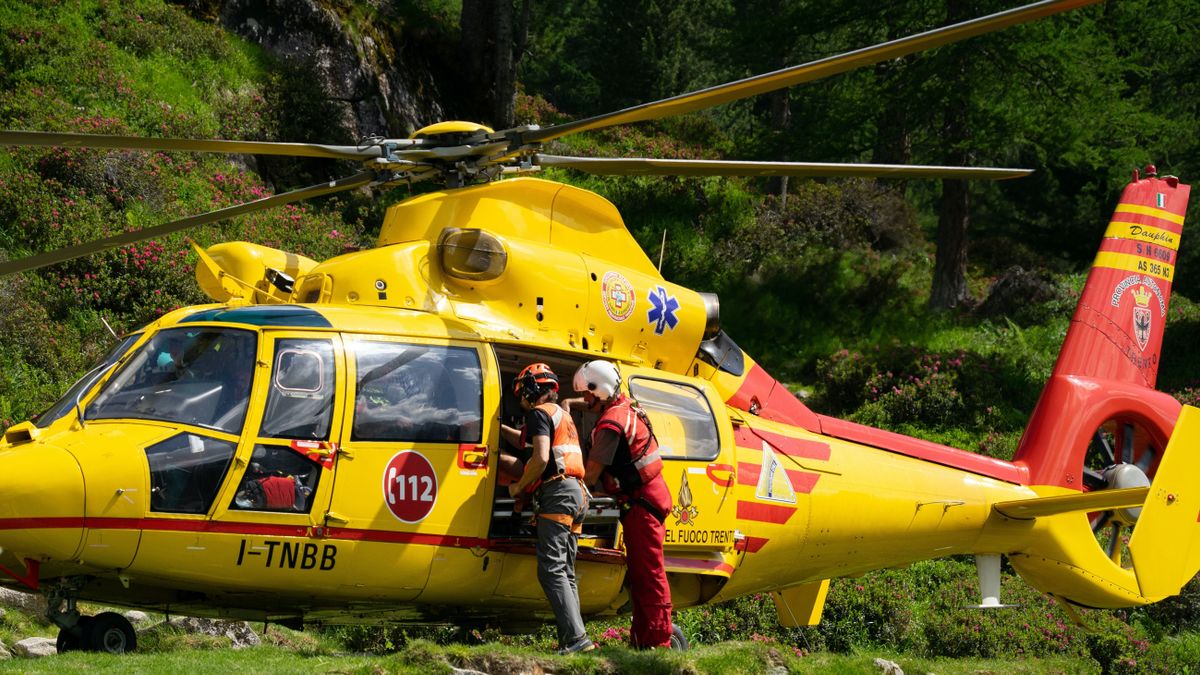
(106, 632)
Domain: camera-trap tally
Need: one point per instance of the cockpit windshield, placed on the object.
(196, 375)
(70, 399)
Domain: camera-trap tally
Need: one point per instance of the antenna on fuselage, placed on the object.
(110, 329)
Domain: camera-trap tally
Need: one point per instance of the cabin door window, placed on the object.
(695, 440)
(294, 447)
(283, 472)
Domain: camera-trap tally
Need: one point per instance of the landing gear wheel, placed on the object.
(110, 633)
(71, 639)
(68, 640)
(679, 641)
(1123, 454)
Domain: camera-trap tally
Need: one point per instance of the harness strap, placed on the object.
(645, 504)
(563, 519)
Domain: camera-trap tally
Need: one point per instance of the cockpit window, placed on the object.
(66, 404)
(300, 401)
(185, 472)
(417, 393)
(198, 376)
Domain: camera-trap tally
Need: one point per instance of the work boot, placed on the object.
(584, 645)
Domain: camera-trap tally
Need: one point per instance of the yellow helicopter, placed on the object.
(321, 444)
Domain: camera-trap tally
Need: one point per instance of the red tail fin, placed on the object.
(1117, 330)
(1108, 364)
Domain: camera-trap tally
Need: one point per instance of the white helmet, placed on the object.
(599, 377)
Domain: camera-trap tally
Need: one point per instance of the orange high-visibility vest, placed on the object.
(640, 462)
(566, 457)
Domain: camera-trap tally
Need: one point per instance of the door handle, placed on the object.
(721, 474)
(472, 456)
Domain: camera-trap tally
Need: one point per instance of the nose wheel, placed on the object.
(107, 632)
(1122, 454)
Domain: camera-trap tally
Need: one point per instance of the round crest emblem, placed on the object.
(616, 293)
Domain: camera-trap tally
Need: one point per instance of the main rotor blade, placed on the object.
(73, 140)
(643, 166)
(814, 70)
(71, 252)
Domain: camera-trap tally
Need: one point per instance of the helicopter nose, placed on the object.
(41, 503)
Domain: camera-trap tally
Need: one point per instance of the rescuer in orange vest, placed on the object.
(624, 456)
(554, 474)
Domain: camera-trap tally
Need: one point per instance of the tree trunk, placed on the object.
(781, 117)
(491, 47)
(893, 142)
(505, 89)
(950, 265)
(949, 288)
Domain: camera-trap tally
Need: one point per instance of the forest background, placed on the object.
(934, 308)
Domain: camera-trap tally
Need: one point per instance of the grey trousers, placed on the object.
(556, 549)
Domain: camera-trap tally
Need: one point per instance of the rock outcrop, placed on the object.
(360, 66)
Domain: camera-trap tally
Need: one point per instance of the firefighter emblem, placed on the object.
(683, 511)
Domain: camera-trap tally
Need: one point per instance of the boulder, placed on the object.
(4, 653)
(239, 632)
(136, 617)
(32, 603)
(1020, 295)
(888, 667)
(36, 646)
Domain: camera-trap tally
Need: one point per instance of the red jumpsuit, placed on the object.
(623, 442)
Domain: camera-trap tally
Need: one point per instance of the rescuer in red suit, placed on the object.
(624, 458)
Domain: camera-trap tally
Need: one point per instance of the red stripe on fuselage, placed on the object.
(755, 544)
(753, 439)
(802, 481)
(764, 513)
(772, 400)
(242, 528)
(699, 564)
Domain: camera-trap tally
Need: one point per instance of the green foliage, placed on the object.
(971, 399)
(1174, 615)
(646, 50)
(870, 611)
(141, 68)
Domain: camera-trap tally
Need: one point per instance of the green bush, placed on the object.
(871, 611)
(1174, 615)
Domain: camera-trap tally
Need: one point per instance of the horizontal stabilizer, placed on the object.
(1165, 545)
(1100, 500)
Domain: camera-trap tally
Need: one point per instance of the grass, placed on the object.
(423, 657)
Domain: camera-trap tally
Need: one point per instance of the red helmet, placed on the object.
(534, 381)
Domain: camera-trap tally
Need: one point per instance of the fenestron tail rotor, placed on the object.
(462, 152)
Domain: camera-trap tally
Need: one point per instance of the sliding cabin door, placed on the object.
(411, 492)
